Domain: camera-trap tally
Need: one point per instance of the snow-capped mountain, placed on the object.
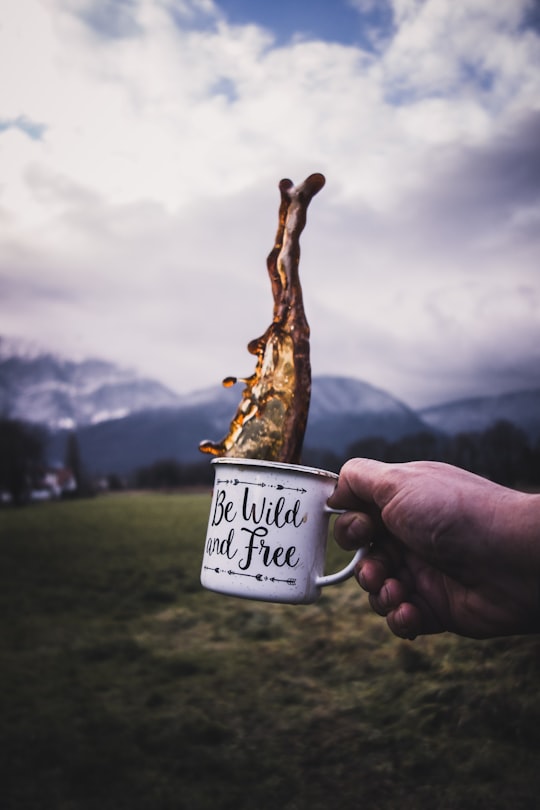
(175, 432)
(344, 410)
(124, 422)
(522, 408)
(60, 393)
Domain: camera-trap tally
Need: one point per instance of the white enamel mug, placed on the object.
(268, 531)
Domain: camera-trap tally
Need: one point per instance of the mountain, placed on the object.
(140, 439)
(342, 410)
(124, 421)
(522, 408)
(41, 387)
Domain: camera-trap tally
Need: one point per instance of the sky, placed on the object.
(141, 147)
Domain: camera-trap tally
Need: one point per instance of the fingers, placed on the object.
(406, 621)
(382, 574)
(358, 480)
(354, 530)
(391, 594)
(390, 600)
(389, 597)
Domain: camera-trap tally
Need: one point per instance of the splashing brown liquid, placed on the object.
(271, 418)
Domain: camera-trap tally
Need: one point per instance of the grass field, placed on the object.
(125, 685)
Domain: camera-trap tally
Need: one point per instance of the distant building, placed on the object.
(54, 483)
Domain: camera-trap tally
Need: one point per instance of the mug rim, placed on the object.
(276, 465)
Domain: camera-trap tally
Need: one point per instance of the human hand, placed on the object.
(449, 550)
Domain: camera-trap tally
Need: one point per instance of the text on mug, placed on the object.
(265, 511)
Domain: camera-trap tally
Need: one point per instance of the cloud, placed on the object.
(140, 152)
(113, 19)
(445, 48)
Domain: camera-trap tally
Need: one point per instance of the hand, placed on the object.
(449, 550)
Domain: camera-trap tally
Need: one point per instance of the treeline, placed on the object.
(501, 453)
(171, 474)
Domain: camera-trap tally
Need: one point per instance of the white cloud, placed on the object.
(137, 218)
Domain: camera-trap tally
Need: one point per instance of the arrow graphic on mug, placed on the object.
(236, 481)
(261, 577)
(258, 577)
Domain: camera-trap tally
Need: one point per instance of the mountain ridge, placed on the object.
(125, 421)
(45, 388)
(474, 414)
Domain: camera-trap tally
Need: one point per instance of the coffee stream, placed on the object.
(271, 418)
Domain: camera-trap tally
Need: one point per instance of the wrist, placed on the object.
(523, 518)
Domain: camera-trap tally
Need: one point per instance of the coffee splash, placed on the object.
(271, 418)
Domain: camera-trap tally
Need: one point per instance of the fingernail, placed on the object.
(403, 628)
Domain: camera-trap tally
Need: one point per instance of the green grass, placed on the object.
(124, 684)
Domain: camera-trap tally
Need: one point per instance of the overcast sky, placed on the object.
(141, 147)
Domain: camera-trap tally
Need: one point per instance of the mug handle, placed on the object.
(348, 571)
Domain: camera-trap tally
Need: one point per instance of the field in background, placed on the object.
(124, 685)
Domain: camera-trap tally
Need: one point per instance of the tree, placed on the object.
(73, 462)
(21, 456)
(534, 465)
(375, 447)
(464, 451)
(415, 447)
(506, 453)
